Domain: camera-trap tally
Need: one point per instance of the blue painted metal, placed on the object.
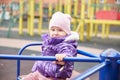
(28, 45)
(118, 61)
(112, 71)
(109, 62)
(48, 58)
(90, 71)
(21, 51)
(86, 53)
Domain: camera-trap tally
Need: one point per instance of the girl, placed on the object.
(61, 43)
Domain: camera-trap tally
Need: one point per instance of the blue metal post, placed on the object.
(20, 52)
(90, 71)
(111, 71)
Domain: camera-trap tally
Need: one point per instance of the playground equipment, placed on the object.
(83, 14)
(30, 16)
(109, 67)
(96, 8)
(87, 16)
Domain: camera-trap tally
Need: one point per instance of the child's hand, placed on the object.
(60, 57)
(59, 62)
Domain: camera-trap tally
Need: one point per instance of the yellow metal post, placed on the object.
(75, 8)
(103, 31)
(69, 7)
(60, 5)
(40, 17)
(50, 10)
(56, 7)
(107, 30)
(28, 23)
(96, 25)
(21, 18)
(28, 17)
(89, 8)
(82, 20)
(74, 20)
(103, 25)
(31, 18)
(91, 16)
(65, 6)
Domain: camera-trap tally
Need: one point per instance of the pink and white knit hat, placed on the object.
(62, 21)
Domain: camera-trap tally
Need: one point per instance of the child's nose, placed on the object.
(55, 32)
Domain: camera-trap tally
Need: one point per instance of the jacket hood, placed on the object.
(72, 36)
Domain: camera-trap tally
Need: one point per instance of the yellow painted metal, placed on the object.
(90, 21)
(89, 9)
(65, 6)
(104, 7)
(56, 7)
(111, 22)
(31, 18)
(107, 30)
(96, 29)
(69, 7)
(60, 5)
(91, 17)
(103, 31)
(81, 23)
(21, 18)
(50, 10)
(40, 21)
(28, 17)
(28, 23)
(75, 15)
(96, 25)
(103, 25)
(75, 8)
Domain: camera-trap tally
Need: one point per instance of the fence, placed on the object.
(109, 67)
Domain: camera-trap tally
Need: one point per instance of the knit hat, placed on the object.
(61, 20)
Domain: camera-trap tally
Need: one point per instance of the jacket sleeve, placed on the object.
(46, 68)
(70, 51)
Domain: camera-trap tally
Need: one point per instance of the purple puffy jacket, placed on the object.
(52, 46)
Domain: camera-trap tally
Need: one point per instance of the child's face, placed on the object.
(57, 32)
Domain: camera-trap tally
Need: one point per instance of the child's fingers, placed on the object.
(60, 57)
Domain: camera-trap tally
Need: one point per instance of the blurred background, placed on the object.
(23, 21)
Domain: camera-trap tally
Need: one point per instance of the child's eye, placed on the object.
(52, 29)
(60, 30)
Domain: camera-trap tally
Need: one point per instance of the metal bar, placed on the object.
(118, 61)
(21, 51)
(31, 44)
(18, 69)
(86, 53)
(47, 58)
(112, 22)
(90, 71)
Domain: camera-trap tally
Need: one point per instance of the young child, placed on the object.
(61, 43)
